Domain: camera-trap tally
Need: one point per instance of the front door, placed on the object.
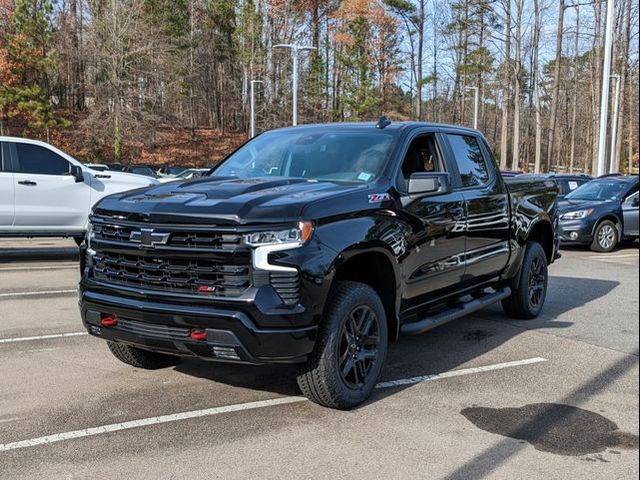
(437, 239)
(630, 213)
(47, 197)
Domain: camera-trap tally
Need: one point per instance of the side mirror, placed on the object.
(424, 184)
(76, 172)
(635, 202)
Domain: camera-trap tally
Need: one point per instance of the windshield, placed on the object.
(321, 155)
(600, 190)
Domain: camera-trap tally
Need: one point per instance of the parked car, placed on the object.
(593, 213)
(118, 167)
(188, 174)
(567, 182)
(145, 170)
(44, 192)
(317, 245)
(510, 173)
(170, 171)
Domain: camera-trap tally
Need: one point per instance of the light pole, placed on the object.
(614, 123)
(604, 96)
(253, 106)
(295, 48)
(476, 105)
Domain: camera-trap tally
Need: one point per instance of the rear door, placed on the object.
(487, 207)
(47, 197)
(7, 190)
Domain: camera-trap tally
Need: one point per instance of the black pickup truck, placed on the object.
(317, 245)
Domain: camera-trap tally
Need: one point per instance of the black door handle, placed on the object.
(27, 182)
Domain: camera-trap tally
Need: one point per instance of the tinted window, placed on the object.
(470, 161)
(37, 159)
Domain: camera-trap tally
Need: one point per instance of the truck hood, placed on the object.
(225, 200)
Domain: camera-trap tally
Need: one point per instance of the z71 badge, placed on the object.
(379, 197)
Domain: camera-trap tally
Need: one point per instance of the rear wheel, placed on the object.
(606, 237)
(527, 300)
(350, 351)
(139, 358)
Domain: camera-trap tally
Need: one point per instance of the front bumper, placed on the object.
(232, 336)
(576, 231)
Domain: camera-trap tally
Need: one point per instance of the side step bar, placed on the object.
(414, 328)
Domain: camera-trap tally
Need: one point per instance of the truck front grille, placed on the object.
(196, 276)
(180, 259)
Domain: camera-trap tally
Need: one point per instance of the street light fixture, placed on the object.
(253, 107)
(295, 48)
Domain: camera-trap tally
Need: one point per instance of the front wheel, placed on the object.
(527, 300)
(350, 351)
(606, 237)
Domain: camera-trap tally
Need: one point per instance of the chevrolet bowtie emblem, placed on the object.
(148, 238)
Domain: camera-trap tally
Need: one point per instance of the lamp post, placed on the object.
(604, 94)
(295, 48)
(253, 107)
(476, 105)
(614, 123)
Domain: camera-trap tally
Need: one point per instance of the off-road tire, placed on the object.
(320, 379)
(520, 305)
(139, 358)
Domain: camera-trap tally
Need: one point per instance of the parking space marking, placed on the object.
(28, 269)
(174, 417)
(458, 373)
(613, 257)
(40, 292)
(42, 337)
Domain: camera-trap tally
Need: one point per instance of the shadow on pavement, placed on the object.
(489, 460)
(440, 350)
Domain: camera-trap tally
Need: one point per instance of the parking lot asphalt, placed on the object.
(482, 397)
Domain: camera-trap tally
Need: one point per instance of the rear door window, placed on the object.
(471, 162)
(40, 160)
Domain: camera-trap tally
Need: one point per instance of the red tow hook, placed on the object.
(107, 320)
(198, 334)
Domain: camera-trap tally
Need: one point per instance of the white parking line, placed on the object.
(610, 257)
(28, 269)
(174, 417)
(42, 337)
(40, 292)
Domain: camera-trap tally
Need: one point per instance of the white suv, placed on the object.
(46, 193)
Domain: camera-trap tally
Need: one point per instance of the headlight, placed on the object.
(293, 237)
(577, 215)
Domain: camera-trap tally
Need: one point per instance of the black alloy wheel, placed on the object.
(358, 350)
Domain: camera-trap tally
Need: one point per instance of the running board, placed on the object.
(414, 328)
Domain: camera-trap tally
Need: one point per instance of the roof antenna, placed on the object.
(383, 122)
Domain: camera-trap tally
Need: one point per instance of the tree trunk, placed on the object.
(515, 165)
(555, 91)
(506, 91)
(536, 86)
